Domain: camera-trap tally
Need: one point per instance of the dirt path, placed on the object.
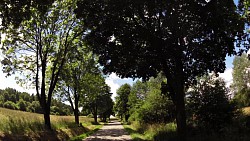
(114, 131)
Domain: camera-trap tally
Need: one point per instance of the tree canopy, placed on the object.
(13, 12)
(241, 80)
(39, 47)
(184, 39)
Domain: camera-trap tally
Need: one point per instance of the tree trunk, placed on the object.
(95, 117)
(181, 115)
(47, 117)
(176, 89)
(95, 114)
(76, 111)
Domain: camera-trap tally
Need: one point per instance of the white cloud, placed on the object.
(227, 76)
(113, 76)
(114, 86)
(11, 83)
(115, 82)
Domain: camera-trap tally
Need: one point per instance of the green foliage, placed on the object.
(10, 105)
(121, 101)
(22, 105)
(156, 109)
(35, 107)
(147, 104)
(152, 132)
(184, 39)
(14, 12)
(39, 47)
(208, 102)
(72, 86)
(97, 99)
(241, 79)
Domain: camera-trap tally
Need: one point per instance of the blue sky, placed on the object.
(113, 80)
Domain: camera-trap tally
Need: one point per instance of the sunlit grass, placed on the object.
(148, 132)
(13, 123)
(246, 111)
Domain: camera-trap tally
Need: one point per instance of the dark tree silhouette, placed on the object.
(184, 39)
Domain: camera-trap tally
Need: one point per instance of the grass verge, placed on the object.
(149, 132)
(85, 135)
(18, 125)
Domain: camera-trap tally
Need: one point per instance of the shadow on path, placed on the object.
(113, 131)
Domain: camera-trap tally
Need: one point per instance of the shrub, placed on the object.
(209, 103)
(156, 109)
(10, 105)
(22, 105)
(35, 107)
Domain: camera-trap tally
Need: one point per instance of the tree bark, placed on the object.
(76, 111)
(47, 117)
(95, 114)
(180, 115)
(176, 88)
(95, 117)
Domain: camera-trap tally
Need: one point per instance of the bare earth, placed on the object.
(114, 131)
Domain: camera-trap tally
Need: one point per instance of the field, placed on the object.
(18, 125)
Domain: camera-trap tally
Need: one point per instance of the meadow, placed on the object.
(18, 125)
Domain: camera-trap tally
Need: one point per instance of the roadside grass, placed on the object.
(237, 130)
(19, 125)
(149, 132)
(246, 111)
(86, 134)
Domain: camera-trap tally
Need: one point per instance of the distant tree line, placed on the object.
(12, 99)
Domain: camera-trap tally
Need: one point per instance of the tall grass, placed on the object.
(246, 111)
(15, 123)
(235, 131)
(149, 132)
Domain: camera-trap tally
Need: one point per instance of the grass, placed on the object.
(246, 111)
(167, 132)
(84, 135)
(149, 132)
(30, 126)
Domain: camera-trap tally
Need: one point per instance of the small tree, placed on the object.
(97, 94)
(121, 101)
(209, 102)
(241, 80)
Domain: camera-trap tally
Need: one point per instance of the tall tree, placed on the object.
(121, 101)
(241, 80)
(96, 94)
(39, 47)
(184, 39)
(81, 62)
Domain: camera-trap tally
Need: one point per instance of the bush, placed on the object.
(22, 105)
(35, 107)
(10, 105)
(156, 109)
(209, 104)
